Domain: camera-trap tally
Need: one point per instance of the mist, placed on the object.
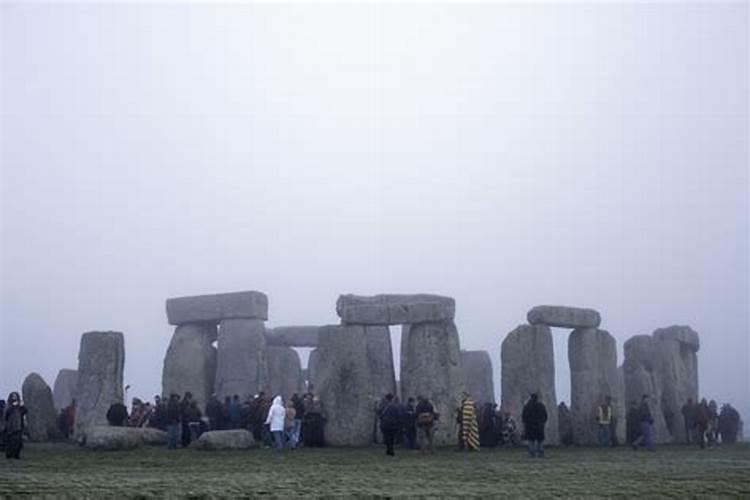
(504, 155)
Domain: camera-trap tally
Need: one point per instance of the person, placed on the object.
(71, 418)
(713, 423)
(15, 423)
(172, 420)
(688, 412)
(194, 417)
(390, 422)
(729, 422)
(646, 421)
(604, 420)
(425, 420)
(314, 421)
(185, 416)
(509, 436)
(469, 427)
(702, 419)
(299, 416)
(213, 412)
(289, 424)
(117, 415)
(408, 424)
(632, 424)
(234, 412)
(534, 418)
(159, 418)
(2, 425)
(565, 424)
(487, 435)
(275, 421)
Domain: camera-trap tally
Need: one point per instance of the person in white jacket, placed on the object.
(276, 416)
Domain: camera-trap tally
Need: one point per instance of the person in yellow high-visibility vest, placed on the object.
(604, 419)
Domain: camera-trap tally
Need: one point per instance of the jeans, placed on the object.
(172, 436)
(605, 436)
(278, 439)
(536, 448)
(296, 432)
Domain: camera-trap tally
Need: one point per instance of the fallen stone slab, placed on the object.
(238, 439)
(391, 309)
(218, 307)
(564, 317)
(102, 437)
(293, 336)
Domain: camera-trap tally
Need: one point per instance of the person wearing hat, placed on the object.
(534, 418)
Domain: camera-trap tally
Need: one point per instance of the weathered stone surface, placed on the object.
(380, 360)
(431, 367)
(565, 317)
(293, 336)
(284, 372)
(528, 366)
(100, 364)
(592, 354)
(65, 388)
(620, 404)
(312, 369)
(218, 307)
(241, 359)
(681, 334)
(391, 309)
(103, 437)
(477, 367)
(349, 376)
(238, 439)
(190, 362)
(41, 417)
(678, 374)
(642, 358)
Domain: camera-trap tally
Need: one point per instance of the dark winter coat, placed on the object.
(534, 419)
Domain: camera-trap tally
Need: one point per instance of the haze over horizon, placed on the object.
(504, 155)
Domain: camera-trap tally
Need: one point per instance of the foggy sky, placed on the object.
(506, 156)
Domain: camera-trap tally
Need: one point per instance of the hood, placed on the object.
(277, 401)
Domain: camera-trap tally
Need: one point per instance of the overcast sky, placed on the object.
(507, 156)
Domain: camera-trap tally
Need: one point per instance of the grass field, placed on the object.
(679, 472)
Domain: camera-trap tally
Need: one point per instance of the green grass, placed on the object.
(676, 471)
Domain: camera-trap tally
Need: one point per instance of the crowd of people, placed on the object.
(301, 421)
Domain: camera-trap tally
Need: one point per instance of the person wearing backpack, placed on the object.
(390, 423)
(425, 422)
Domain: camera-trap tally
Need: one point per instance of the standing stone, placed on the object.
(41, 417)
(477, 366)
(100, 364)
(431, 367)
(241, 358)
(642, 377)
(528, 366)
(620, 404)
(678, 374)
(592, 354)
(190, 363)
(284, 372)
(312, 369)
(344, 383)
(65, 388)
(564, 317)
